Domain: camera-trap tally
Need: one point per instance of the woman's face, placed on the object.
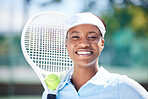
(84, 44)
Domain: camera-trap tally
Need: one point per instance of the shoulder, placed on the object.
(127, 87)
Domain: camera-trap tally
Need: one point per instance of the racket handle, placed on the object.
(51, 96)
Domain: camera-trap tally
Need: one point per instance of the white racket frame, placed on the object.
(31, 63)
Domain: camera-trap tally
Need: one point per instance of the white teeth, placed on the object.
(88, 53)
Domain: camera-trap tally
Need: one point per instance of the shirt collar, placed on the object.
(100, 78)
(67, 79)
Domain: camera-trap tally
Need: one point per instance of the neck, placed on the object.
(82, 74)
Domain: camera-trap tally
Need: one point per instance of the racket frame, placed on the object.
(31, 63)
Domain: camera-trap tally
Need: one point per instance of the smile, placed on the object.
(84, 52)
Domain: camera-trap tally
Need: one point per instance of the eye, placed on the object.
(75, 36)
(92, 37)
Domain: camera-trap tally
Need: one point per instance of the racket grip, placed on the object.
(51, 96)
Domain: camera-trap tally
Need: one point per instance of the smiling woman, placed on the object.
(85, 42)
(84, 48)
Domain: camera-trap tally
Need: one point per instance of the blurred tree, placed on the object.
(139, 21)
(133, 43)
(3, 44)
(141, 3)
(134, 16)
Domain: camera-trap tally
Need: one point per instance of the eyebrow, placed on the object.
(79, 32)
(74, 32)
(90, 32)
(97, 33)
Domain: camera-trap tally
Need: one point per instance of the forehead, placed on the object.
(85, 28)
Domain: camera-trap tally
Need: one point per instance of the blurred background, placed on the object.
(126, 40)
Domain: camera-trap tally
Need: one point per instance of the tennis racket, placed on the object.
(43, 44)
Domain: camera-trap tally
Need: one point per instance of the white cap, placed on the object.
(85, 18)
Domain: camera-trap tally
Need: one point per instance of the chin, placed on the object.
(85, 63)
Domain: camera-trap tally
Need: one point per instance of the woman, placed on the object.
(85, 42)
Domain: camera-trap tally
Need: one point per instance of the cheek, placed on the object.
(69, 47)
(98, 47)
(70, 44)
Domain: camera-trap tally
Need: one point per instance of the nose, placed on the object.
(84, 43)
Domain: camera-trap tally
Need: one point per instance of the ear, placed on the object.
(102, 44)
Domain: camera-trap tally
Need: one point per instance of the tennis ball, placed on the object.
(52, 81)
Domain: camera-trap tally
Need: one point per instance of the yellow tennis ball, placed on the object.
(52, 81)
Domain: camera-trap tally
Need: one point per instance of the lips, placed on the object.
(83, 52)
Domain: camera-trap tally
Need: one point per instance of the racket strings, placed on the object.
(45, 44)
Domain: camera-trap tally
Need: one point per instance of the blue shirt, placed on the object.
(103, 85)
